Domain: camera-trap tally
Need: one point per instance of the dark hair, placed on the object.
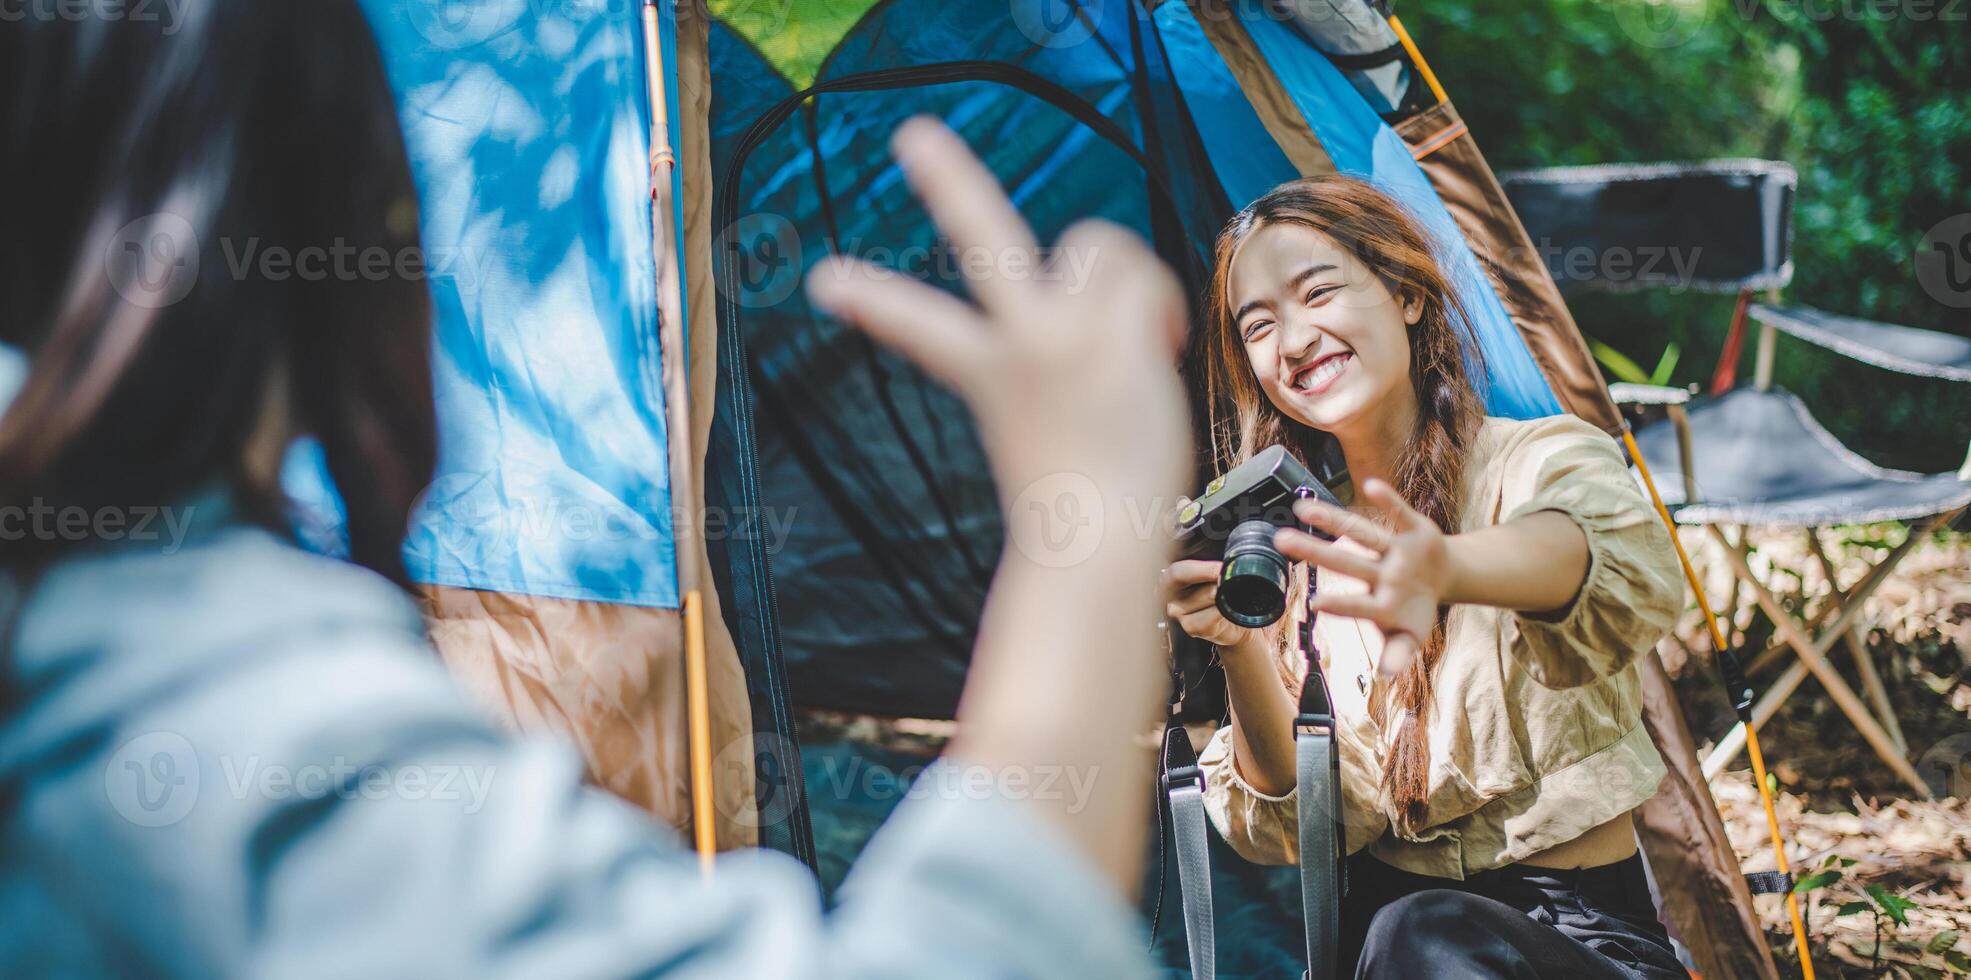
(1444, 355)
(144, 156)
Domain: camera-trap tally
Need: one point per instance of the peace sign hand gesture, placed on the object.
(1407, 573)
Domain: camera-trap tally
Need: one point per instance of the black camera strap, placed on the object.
(1317, 782)
(1183, 787)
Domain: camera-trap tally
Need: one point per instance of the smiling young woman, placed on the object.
(1478, 620)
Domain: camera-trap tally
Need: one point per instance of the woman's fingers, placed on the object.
(1106, 260)
(1301, 546)
(1354, 605)
(968, 205)
(1192, 571)
(1342, 523)
(1201, 624)
(1398, 651)
(1402, 516)
(934, 329)
(1193, 599)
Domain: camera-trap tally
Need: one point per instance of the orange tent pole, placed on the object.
(663, 162)
(1741, 700)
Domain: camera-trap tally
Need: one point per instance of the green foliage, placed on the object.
(1893, 906)
(1869, 99)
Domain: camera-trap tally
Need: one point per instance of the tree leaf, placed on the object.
(1892, 906)
(1942, 941)
(1850, 908)
(1819, 879)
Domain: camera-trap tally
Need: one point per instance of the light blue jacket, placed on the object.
(221, 756)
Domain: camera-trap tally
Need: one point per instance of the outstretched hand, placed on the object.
(1407, 569)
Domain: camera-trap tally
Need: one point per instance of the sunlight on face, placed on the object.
(1326, 340)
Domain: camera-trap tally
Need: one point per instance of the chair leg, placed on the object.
(1783, 687)
(1757, 664)
(1858, 647)
(1734, 632)
(1838, 689)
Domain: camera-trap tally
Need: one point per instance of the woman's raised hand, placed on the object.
(1066, 363)
(1407, 568)
(1068, 366)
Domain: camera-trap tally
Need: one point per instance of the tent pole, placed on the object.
(1734, 677)
(663, 162)
(1417, 58)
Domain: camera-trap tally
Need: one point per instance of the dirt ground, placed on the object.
(1875, 848)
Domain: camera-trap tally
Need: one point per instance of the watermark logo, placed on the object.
(454, 24)
(1661, 24)
(768, 761)
(1057, 23)
(1946, 766)
(1058, 520)
(762, 256)
(153, 779)
(1943, 262)
(153, 262)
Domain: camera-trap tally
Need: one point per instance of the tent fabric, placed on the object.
(1443, 144)
(729, 679)
(1717, 225)
(1690, 856)
(600, 675)
(1761, 458)
(1924, 353)
(548, 543)
(528, 142)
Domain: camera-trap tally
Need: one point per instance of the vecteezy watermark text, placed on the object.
(156, 779)
(43, 522)
(170, 13)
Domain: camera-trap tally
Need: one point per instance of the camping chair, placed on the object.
(1757, 457)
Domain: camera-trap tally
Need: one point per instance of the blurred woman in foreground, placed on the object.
(221, 756)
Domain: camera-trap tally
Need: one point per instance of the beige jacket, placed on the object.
(1535, 725)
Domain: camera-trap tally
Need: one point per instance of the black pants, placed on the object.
(1517, 921)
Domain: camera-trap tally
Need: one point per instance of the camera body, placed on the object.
(1234, 521)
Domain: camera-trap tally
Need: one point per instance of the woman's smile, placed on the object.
(1317, 376)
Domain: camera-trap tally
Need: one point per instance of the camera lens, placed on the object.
(1252, 587)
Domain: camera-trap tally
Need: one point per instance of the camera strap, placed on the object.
(1183, 787)
(1317, 785)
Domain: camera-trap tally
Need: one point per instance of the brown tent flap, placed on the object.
(1450, 158)
(605, 676)
(1696, 871)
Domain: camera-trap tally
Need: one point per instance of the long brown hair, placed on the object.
(1444, 356)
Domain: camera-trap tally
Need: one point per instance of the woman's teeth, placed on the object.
(1322, 373)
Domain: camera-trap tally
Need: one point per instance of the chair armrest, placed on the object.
(1908, 350)
(1634, 394)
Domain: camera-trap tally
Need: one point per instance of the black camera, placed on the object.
(1235, 519)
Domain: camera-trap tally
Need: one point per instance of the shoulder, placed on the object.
(1519, 447)
(233, 590)
(1504, 438)
(1515, 461)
